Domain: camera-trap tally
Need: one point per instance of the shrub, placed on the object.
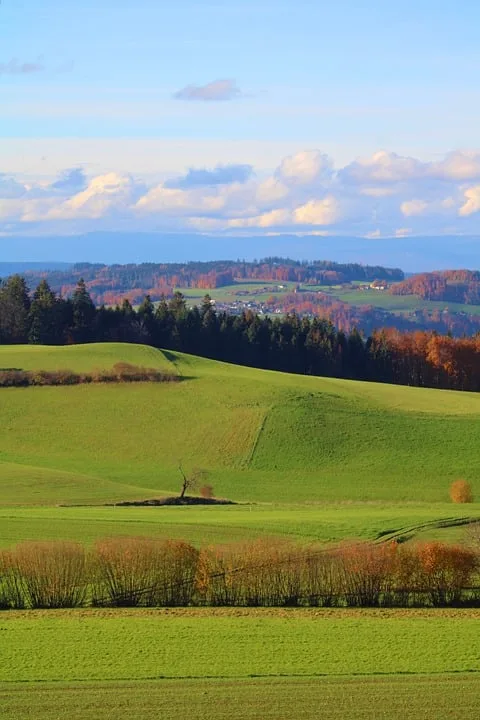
(206, 491)
(47, 575)
(368, 572)
(144, 571)
(121, 372)
(447, 570)
(260, 573)
(461, 492)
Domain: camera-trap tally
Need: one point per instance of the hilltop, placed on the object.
(263, 436)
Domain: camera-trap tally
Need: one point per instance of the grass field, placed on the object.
(313, 459)
(210, 663)
(210, 525)
(263, 436)
(392, 698)
(398, 304)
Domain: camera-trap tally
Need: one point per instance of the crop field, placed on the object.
(329, 663)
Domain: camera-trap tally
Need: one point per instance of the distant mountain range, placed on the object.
(10, 268)
(412, 254)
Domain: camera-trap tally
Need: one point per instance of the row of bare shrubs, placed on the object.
(130, 572)
(120, 373)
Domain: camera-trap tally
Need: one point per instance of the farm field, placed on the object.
(404, 304)
(341, 661)
(425, 697)
(303, 523)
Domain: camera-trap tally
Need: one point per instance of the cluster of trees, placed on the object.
(153, 572)
(109, 284)
(290, 344)
(460, 286)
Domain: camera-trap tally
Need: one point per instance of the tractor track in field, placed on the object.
(405, 533)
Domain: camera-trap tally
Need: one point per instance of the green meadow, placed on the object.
(424, 697)
(311, 459)
(240, 664)
(263, 436)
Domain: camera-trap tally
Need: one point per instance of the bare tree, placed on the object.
(191, 480)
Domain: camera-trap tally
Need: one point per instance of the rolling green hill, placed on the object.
(264, 436)
(321, 459)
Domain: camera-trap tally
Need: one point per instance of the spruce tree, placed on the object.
(83, 313)
(14, 310)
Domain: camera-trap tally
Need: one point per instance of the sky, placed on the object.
(239, 118)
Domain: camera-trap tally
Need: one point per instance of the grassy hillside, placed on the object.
(264, 436)
(81, 358)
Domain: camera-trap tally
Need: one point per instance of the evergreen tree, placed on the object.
(177, 305)
(14, 310)
(146, 315)
(83, 313)
(44, 316)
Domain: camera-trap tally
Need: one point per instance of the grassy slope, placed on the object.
(81, 358)
(264, 436)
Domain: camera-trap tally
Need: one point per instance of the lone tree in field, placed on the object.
(461, 492)
(191, 481)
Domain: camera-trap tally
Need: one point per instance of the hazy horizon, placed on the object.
(415, 254)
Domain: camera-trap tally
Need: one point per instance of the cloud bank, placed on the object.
(384, 195)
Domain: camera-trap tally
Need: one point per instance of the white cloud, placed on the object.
(472, 202)
(318, 212)
(458, 165)
(378, 192)
(304, 168)
(413, 207)
(104, 194)
(383, 167)
(271, 191)
(304, 194)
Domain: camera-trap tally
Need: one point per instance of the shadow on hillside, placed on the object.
(167, 501)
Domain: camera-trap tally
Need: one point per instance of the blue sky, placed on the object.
(140, 94)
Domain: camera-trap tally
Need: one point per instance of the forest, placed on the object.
(286, 343)
(109, 284)
(459, 286)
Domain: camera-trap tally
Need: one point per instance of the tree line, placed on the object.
(312, 346)
(458, 286)
(151, 572)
